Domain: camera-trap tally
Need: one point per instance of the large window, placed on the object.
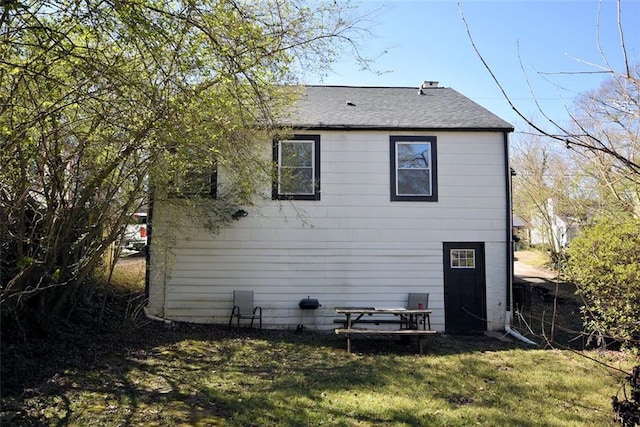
(414, 168)
(298, 160)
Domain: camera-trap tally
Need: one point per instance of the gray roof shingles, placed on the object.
(390, 108)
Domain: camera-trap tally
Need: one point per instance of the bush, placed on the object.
(604, 263)
(628, 409)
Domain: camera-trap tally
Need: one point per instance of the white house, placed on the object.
(552, 229)
(391, 190)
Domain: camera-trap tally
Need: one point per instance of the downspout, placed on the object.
(509, 240)
(513, 332)
(156, 318)
(147, 249)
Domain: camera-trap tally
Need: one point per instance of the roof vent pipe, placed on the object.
(426, 85)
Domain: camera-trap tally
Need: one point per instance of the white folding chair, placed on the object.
(243, 308)
(420, 301)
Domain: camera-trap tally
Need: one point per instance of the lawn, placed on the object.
(534, 258)
(152, 374)
(199, 375)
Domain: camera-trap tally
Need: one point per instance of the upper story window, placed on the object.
(414, 168)
(202, 184)
(196, 183)
(298, 162)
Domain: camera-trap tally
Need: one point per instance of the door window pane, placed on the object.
(463, 258)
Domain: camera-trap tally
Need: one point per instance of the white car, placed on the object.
(135, 234)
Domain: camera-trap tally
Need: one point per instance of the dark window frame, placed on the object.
(187, 193)
(276, 195)
(433, 167)
(213, 185)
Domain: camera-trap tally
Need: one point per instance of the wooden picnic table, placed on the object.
(408, 319)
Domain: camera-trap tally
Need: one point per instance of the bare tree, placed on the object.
(612, 112)
(547, 187)
(604, 129)
(604, 122)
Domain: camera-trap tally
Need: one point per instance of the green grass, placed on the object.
(534, 258)
(198, 375)
(128, 275)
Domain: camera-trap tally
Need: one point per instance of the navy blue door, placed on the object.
(464, 287)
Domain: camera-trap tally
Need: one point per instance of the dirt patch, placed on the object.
(549, 313)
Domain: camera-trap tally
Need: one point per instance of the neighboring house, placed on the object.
(553, 230)
(519, 223)
(382, 191)
(520, 231)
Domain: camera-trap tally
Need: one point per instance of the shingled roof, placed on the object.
(350, 107)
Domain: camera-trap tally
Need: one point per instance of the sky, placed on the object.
(525, 43)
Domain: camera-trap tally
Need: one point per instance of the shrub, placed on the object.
(628, 409)
(604, 263)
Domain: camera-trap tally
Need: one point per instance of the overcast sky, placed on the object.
(520, 40)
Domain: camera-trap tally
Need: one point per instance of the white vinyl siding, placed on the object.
(354, 247)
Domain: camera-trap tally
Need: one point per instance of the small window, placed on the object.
(202, 184)
(298, 162)
(413, 168)
(463, 258)
(196, 184)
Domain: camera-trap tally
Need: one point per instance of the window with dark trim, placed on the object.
(203, 184)
(196, 184)
(298, 168)
(414, 173)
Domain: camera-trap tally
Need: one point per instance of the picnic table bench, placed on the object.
(408, 319)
